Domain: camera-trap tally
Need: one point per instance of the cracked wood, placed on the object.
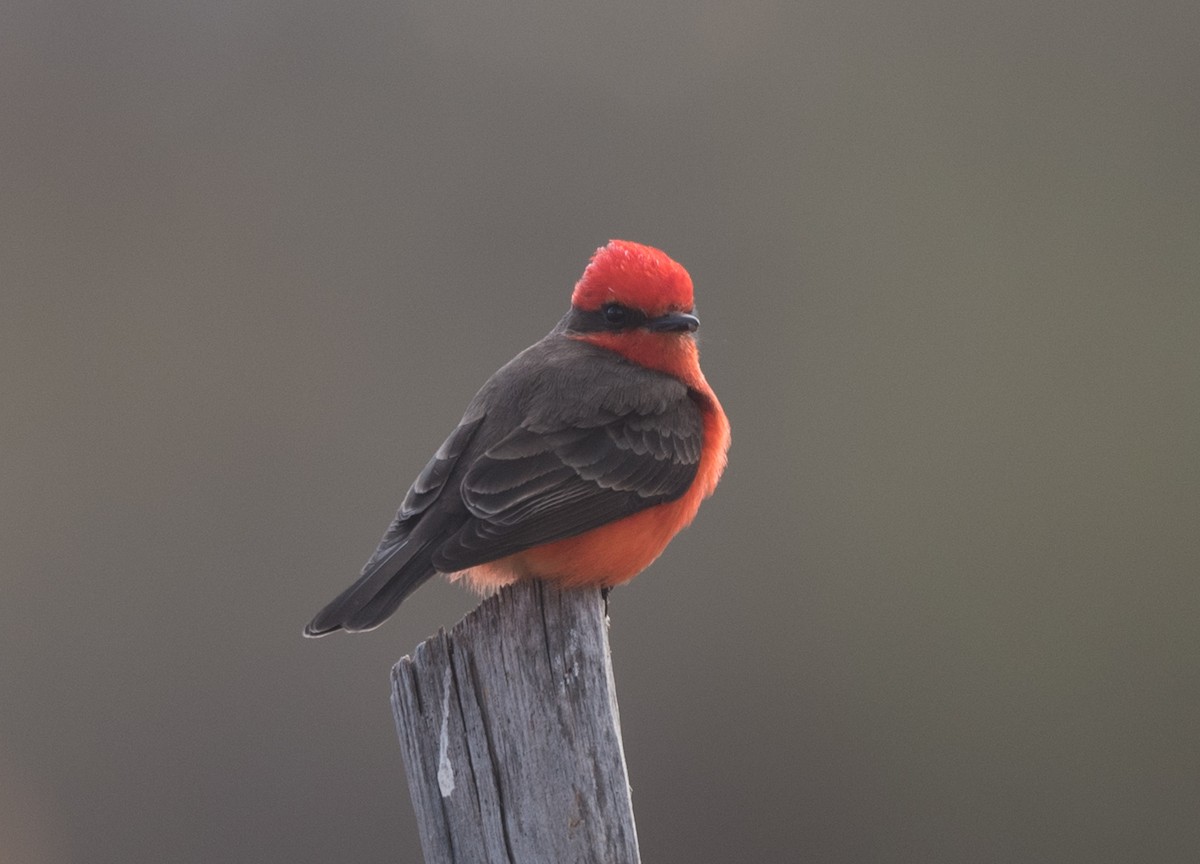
(511, 736)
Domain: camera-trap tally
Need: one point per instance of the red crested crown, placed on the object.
(634, 275)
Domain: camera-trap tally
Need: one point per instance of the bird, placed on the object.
(576, 462)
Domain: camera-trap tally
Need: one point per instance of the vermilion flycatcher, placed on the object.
(577, 461)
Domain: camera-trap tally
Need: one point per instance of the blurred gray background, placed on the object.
(256, 257)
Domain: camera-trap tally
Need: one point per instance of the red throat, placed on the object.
(673, 353)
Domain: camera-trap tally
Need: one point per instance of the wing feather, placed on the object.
(537, 485)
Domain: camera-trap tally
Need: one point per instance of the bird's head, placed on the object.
(636, 300)
(628, 286)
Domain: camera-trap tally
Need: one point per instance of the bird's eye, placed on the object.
(614, 313)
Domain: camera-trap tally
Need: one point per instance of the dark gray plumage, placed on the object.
(564, 438)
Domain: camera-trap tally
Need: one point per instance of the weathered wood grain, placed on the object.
(511, 736)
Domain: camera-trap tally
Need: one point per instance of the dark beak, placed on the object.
(674, 322)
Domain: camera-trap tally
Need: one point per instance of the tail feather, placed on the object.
(378, 591)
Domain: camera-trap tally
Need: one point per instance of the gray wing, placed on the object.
(537, 485)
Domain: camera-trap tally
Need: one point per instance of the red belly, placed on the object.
(616, 552)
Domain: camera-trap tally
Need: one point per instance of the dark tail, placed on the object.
(385, 582)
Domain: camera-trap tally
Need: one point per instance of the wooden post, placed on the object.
(511, 736)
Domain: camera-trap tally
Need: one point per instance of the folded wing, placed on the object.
(534, 487)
